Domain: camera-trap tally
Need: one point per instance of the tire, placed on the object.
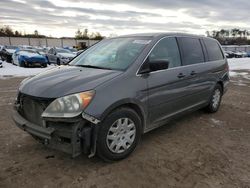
(44, 65)
(47, 60)
(58, 62)
(120, 137)
(22, 64)
(9, 59)
(215, 100)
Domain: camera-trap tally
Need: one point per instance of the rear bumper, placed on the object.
(70, 137)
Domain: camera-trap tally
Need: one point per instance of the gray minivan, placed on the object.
(108, 96)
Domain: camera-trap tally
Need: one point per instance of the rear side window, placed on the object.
(191, 49)
(213, 50)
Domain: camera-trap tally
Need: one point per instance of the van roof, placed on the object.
(154, 35)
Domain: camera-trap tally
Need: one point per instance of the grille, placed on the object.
(31, 108)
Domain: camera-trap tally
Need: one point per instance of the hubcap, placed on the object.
(216, 98)
(121, 135)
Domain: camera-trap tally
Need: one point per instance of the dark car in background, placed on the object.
(28, 57)
(119, 89)
(7, 52)
(229, 54)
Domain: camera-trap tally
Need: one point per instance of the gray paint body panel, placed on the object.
(159, 95)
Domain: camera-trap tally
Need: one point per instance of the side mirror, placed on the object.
(158, 64)
(155, 65)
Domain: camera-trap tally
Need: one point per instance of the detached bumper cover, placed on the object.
(36, 130)
(72, 137)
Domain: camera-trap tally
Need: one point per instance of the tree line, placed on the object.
(233, 36)
(85, 34)
(7, 31)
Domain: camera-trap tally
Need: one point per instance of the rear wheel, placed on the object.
(215, 100)
(119, 134)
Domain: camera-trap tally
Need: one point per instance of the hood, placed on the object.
(11, 51)
(67, 54)
(65, 80)
(30, 55)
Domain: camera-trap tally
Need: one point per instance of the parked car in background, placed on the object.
(25, 47)
(229, 54)
(7, 52)
(73, 50)
(119, 89)
(244, 54)
(240, 54)
(79, 51)
(29, 57)
(59, 56)
(41, 51)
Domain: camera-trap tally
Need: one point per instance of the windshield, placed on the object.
(63, 51)
(115, 54)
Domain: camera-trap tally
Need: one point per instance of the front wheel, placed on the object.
(215, 100)
(47, 60)
(58, 61)
(119, 134)
(44, 65)
(22, 64)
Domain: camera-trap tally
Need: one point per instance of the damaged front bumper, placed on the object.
(73, 136)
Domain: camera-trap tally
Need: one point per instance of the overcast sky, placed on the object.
(63, 17)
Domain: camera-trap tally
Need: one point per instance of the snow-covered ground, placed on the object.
(10, 70)
(239, 64)
(238, 69)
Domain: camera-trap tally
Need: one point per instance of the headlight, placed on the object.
(69, 106)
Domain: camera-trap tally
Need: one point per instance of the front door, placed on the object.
(51, 56)
(167, 89)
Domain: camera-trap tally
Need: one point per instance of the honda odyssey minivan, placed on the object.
(115, 91)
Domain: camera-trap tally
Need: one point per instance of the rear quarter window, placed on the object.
(213, 50)
(191, 50)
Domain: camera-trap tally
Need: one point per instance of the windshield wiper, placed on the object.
(92, 66)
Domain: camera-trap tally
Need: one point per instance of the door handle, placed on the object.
(181, 75)
(193, 73)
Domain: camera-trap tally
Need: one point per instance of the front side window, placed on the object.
(191, 49)
(168, 51)
(117, 53)
(50, 51)
(213, 50)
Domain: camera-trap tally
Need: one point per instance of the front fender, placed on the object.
(133, 103)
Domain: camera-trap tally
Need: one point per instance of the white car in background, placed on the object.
(240, 54)
(59, 56)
